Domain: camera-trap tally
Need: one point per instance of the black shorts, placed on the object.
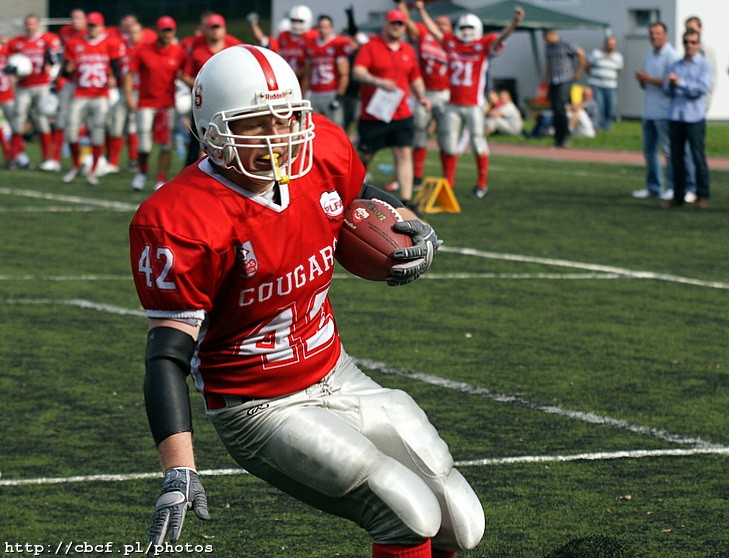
(375, 134)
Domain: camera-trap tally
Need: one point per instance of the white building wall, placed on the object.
(518, 62)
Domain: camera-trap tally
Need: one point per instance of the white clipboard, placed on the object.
(383, 104)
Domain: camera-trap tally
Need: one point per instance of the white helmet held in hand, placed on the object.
(22, 64)
(469, 28)
(245, 82)
(301, 19)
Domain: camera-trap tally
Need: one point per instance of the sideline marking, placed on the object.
(587, 266)
(107, 204)
(598, 456)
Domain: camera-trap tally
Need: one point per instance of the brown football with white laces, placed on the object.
(367, 239)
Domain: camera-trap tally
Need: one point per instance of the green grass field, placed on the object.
(570, 344)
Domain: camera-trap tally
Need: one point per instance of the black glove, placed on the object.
(181, 490)
(336, 103)
(10, 70)
(420, 255)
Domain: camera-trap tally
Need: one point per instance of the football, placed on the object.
(367, 239)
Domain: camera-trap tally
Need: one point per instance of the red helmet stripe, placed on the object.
(265, 66)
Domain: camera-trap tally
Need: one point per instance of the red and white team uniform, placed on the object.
(64, 88)
(400, 66)
(7, 100)
(91, 58)
(32, 89)
(156, 67)
(468, 64)
(276, 334)
(292, 48)
(200, 52)
(123, 123)
(323, 58)
(433, 62)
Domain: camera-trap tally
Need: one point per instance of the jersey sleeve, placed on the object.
(489, 41)
(175, 274)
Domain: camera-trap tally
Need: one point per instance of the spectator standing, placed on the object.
(433, 62)
(565, 63)
(327, 70)
(656, 103)
(94, 61)
(688, 84)
(469, 52)
(44, 50)
(603, 68)
(385, 65)
(157, 66)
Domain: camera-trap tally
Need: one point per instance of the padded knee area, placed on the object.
(463, 522)
(413, 508)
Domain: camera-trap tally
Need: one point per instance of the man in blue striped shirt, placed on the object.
(688, 83)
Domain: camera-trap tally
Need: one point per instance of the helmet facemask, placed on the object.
(294, 161)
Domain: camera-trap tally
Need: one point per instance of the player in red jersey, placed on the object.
(64, 88)
(233, 260)
(469, 51)
(157, 66)
(291, 44)
(7, 101)
(434, 69)
(94, 61)
(43, 49)
(214, 38)
(326, 70)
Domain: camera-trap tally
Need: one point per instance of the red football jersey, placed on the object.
(292, 48)
(400, 65)
(7, 92)
(200, 53)
(468, 64)
(433, 60)
(92, 61)
(67, 32)
(258, 272)
(323, 58)
(36, 48)
(157, 67)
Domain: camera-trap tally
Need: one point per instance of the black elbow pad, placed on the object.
(166, 394)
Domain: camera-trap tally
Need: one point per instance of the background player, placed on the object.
(252, 307)
(468, 60)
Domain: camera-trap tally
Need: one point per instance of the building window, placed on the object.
(641, 19)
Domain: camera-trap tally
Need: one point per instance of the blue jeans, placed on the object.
(605, 98)
(693, 135)
(655, 141)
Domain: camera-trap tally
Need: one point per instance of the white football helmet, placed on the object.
(244, 82)
(469, 28)
(301, 19)
(22, 64)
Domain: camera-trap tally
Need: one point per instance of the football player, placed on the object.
(326, 70)
(434, 69)
(43, 49)
(155, 67)
(94, 63)
(291, 43)
(232, 260)
(469, 51)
